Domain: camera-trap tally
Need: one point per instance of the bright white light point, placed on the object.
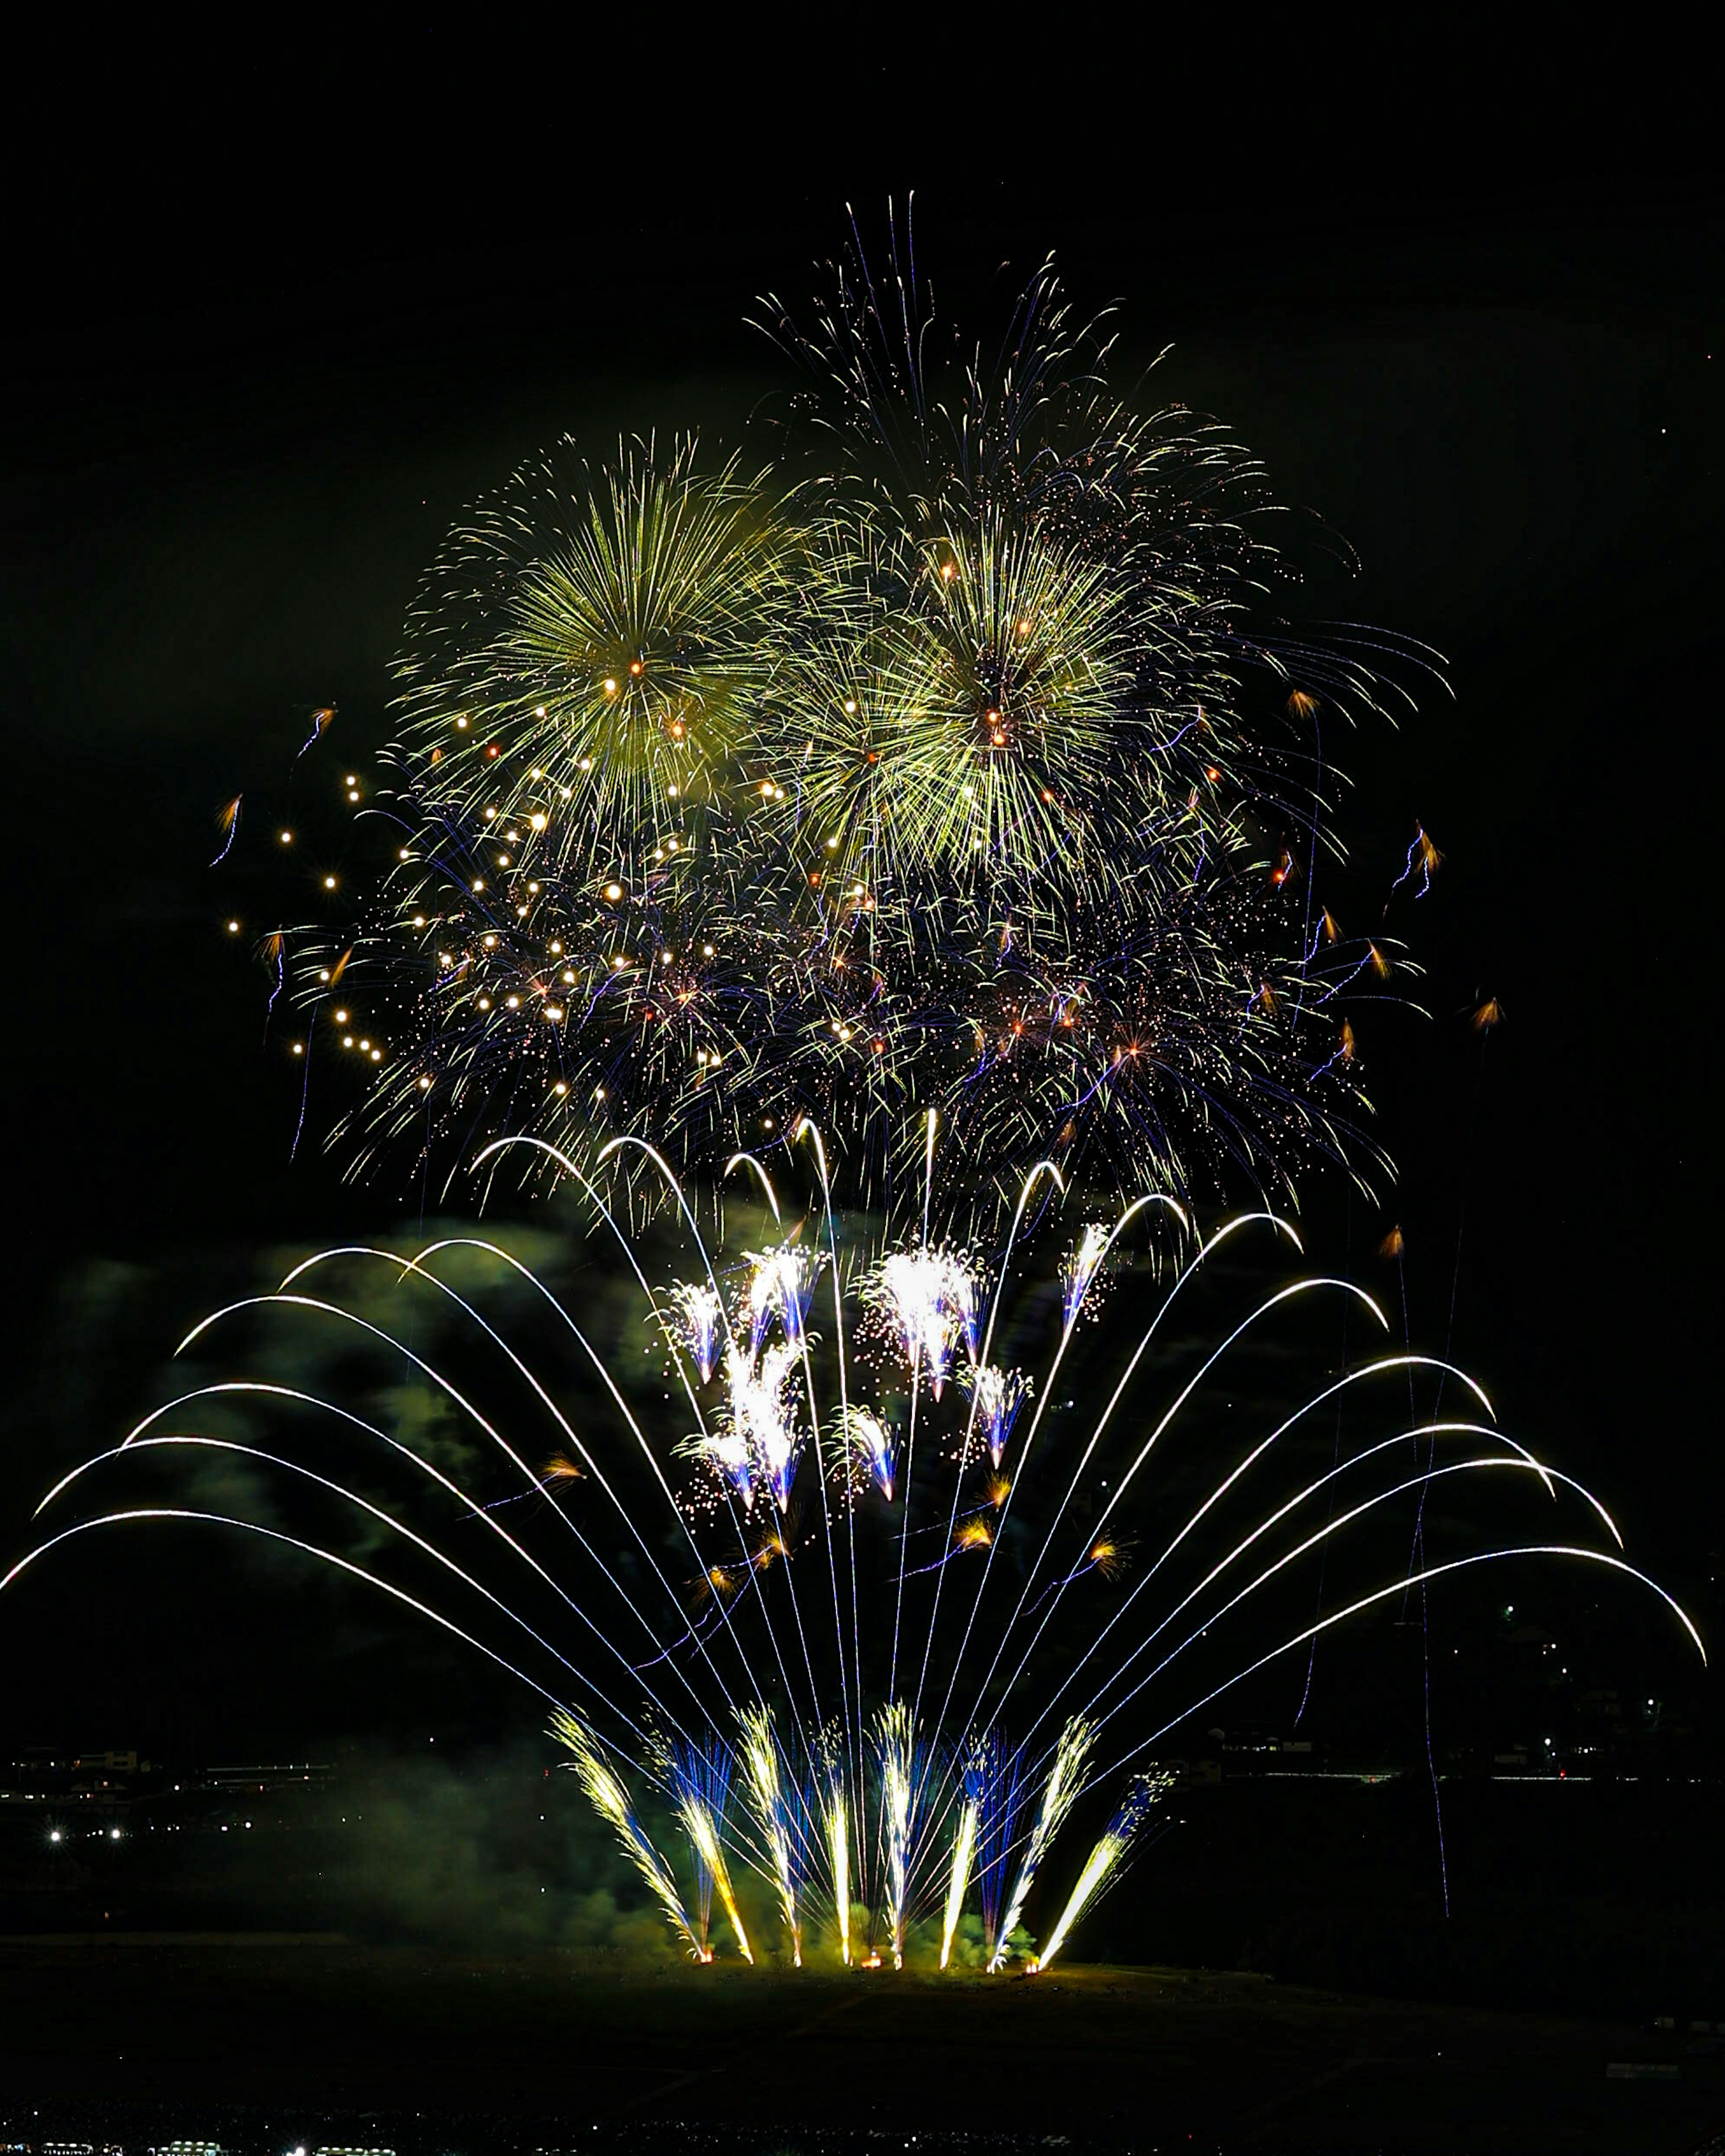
(850, 706)
(560, 1089)
(557, 950)
(299, 1048)
(514, 1002)
(490, 941)
(610, 687)
(537, 820)
(341, 1018)
(376, 1055)
(351, 780)
(568, 978)
(613, 890)
(587, 763)
(365, 1045)
(287, 837)
(460, 726)
(419, 921)
(329, 883)
(233, 928)
(424, 1085)
(478, 886)
(707, 950)
(323, 973)
(403, 854)
(554, 1011)
(485, 1003)
(564, 792)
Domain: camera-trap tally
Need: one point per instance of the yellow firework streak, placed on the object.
(838, 1850)
(703, 1836)
(760, 1760)
(1066, 1781)
(610, 1799)
(897, 1782)
(963, 1857)
(1106, 1860)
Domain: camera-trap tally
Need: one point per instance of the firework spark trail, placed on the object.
(1073, 1304)
(700, 1783)
(609, 1797)
(896, 1751)
(996, 1781)
(1396, 1587)
(228, 823)
(136, 1442)
(436, 1377)
(806, 1128)
(958, 1886)
(1330, 1392)
(1107, 1860)
(979, 1364)
(1066, 1779)
(1284, 1295)
(836, 1823)
(292, 1542)
(764, 1782)
(569, 1167)
(1523, 1459)
(415, 1267)
(675, 1188)
(319, 719)
(1423, 854)
(933, 1822)
(1526, 1465)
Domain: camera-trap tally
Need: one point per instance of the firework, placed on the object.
(742, 1611)
(699, 1777)
(946, 772)
(606, 1794)
(1107, 1860)
(1060, 1792)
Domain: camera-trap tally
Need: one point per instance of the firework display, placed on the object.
(836, 1645)
(880, 880)
(956, 758)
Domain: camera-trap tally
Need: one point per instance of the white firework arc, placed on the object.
(820, 1555)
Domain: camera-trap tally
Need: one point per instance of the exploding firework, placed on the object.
(846, 1659)
(960, 768)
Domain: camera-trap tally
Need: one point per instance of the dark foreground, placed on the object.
(265, 2046)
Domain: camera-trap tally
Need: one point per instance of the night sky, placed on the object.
(250, 378)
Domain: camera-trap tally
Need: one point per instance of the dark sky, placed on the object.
(263, 344)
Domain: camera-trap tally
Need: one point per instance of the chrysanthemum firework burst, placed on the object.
(957, 771)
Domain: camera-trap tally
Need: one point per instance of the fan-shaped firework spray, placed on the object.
(1107, 1860)
(606, 1794)
(1060, 1792)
